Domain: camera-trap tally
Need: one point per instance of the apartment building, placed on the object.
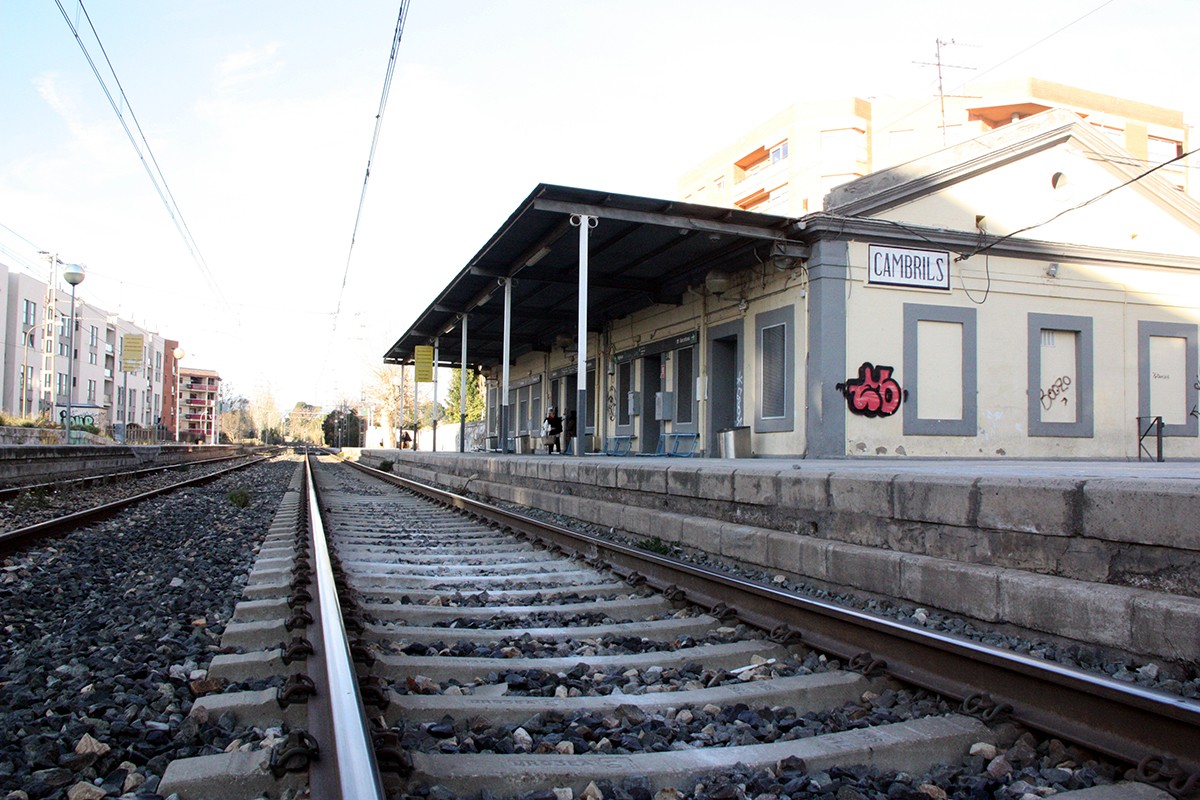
(199, 391)
(117, 377)
(789, 163)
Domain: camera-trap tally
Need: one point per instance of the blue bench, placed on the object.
(619, 445)
(681, 445)
(678, 445)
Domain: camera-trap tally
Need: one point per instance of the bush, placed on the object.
(385, 466)
(655, 545)
(239, 497)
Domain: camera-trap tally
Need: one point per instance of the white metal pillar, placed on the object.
(584, 223)
(436, 408)
(504, 360)
(462, 391)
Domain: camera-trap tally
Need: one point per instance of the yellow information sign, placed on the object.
(423, 363)
(132, 349)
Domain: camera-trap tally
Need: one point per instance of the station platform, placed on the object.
(1099, 552)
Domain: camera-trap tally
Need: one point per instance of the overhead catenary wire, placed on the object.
(141, 145)
(397, 35)
(362, 198)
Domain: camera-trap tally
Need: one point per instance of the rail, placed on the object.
(1128, 723)
(1147, 427)
(72, 521)
(357, 775)
(7, 492)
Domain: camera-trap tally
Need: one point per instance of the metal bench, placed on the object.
(619, 445)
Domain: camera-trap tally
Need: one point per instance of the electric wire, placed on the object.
(1088, 202)
(999, 64)
(362, 198)
(140, 144)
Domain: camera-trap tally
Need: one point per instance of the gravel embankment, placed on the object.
(38, 504)
(1179, 679)
(107, 632)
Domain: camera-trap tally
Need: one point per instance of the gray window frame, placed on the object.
(694, 363)
(785, 316)
(1182, 330)
(915, 313)
(624, 385)
(1085, 370)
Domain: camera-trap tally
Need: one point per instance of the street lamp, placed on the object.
(73, 273)
(27, 342)
(179, 354)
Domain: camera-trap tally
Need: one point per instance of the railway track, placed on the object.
(496, 656)
(49, 508)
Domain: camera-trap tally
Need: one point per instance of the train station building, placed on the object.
(1032, 292)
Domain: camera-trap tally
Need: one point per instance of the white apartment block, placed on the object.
(35, 375)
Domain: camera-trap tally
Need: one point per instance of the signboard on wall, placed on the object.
(132, 348)
(423, 363)
(904, 266)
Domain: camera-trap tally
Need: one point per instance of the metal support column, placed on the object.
(462, 391)
(436, 408)
(507, 282)
(584, 223)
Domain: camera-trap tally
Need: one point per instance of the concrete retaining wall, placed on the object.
(1094, 560)
(21, 464)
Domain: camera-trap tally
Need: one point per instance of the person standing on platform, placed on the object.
(569, 429)
(552, 428)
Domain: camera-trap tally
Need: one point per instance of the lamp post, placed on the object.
(27, 342)
(179, 354)
(73, 273)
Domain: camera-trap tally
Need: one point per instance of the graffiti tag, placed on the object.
(1195, 412)
(874, 393)
(1057, 391)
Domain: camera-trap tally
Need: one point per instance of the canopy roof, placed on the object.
(643, 252)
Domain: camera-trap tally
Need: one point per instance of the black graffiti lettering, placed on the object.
(1057, 391)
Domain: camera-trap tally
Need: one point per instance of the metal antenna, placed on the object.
(939, 44)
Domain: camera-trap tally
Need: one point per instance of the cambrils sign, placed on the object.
(901, 266)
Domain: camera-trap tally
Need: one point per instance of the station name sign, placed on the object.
(902, 266)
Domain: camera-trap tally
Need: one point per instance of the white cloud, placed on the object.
(249, 66)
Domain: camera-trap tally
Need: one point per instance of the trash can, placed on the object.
(734, 442)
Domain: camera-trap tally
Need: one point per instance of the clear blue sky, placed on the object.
(260, 115)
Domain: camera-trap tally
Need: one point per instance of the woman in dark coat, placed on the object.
(553, 426)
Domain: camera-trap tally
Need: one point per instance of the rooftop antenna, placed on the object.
(939, 44)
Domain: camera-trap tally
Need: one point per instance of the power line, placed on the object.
(1088, 202)
(141, 145)
(999, 64)
(362, 198)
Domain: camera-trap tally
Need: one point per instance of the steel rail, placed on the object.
(346, 728)
(1127, 723)
(78, 518)
(53, 486)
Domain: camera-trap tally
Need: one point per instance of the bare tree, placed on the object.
(383, 392)
(264, 413)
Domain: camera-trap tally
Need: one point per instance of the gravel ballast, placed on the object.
(108, 632)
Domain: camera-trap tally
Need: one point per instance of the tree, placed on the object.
(264, 413)
(343, 428)
(304, 423)
(475, 400)
(235, 422)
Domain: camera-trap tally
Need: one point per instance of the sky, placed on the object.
(259, 115)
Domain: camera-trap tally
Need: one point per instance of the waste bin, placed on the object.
(734, 442)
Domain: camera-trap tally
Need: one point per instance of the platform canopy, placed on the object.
(643, 252)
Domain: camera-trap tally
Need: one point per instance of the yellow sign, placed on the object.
(423, 363)
(132, 358)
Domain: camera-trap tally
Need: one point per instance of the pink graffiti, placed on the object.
(872, 394)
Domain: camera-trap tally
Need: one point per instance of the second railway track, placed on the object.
(494, 664)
